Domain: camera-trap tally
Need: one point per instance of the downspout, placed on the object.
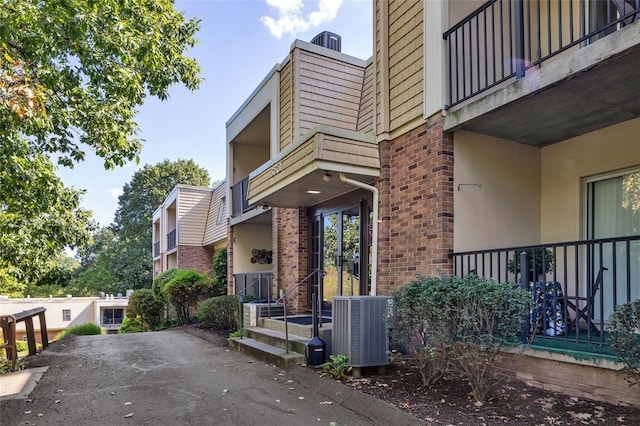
(374, 228)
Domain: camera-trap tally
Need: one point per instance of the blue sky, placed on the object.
(239, 43)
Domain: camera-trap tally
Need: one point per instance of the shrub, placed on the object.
(220, 272)
(131, 325)
(86, 329)
(143, 304)
(624, 339)
(160, 281)
(460, 324)
(220, 313)
(184, 291)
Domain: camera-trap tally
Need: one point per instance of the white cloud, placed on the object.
(292, 19)
(115, 192)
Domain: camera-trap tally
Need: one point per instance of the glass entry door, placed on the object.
(341, 253)
(337, 248)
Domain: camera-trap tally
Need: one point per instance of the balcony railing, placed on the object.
(156, 249)
(256, 284)
(171, 240)
(505, 38)
(576, 285)
(239, 202)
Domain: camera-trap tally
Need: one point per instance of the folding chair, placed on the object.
(584, 311)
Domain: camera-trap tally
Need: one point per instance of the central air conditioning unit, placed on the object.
(360, 330)
(254, 311)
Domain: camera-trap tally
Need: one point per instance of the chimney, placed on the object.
(329, 40)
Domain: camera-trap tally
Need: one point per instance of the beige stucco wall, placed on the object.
(565, 165)
(83, 310)
(505, 210)
(246, 238)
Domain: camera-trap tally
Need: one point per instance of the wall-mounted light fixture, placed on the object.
(326, 177)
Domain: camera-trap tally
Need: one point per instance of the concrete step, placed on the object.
(267, 353)
(277, 338)
(297, 329)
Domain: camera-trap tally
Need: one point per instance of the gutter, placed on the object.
(374, 230)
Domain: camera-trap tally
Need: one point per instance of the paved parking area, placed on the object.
(174, 377)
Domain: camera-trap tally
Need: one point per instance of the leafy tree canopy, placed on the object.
(73, 72)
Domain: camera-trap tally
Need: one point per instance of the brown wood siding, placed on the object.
(216, 232)
(365, 113)
(347, 151)
(299, 157)
(319, 147)
(193, 207)
(286, 106)
(406, 61)
(329, 92)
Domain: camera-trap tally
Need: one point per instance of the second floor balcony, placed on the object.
(542, 71)
(171, 240)
(239, 201)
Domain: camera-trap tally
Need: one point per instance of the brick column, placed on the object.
(291, 254)
(417, 206)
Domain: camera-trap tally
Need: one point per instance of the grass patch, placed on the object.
(86, 329)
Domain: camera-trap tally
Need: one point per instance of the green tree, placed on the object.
(74, 72)
(72, 75)
(38, 215)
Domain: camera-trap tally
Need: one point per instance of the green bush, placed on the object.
(144, 305)
(459, 324)
(625, 321)
(220, 272)
(86, 329)
(184, 290)
(160, 281)
(220, 313)
(131, 325)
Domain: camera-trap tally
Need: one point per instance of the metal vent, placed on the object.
(360, 329)
(329, 40)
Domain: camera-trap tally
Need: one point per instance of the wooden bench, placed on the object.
(8, 324)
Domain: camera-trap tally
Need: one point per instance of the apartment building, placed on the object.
(189, 227)
(477, 131)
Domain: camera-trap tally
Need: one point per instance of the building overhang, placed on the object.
(587, 89)
(307, 173)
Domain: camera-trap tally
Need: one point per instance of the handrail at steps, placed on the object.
(283, 298)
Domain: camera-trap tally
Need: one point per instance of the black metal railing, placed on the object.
(171, 240)
(576, 284)
(257, 284)
(503, 39)
(239, 202)
(283, 299)
(156, 249)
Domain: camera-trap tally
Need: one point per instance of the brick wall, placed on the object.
(416, 206)
(194, 257)
(598, 380)
(290, 255)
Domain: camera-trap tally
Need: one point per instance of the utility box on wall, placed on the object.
(254, 311)
(360, 330)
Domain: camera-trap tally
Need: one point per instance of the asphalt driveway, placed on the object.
(174, 377)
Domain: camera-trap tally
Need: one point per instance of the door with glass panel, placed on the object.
(337, 249)
(613, 210)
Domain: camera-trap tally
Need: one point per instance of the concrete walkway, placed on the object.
(174, 377)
